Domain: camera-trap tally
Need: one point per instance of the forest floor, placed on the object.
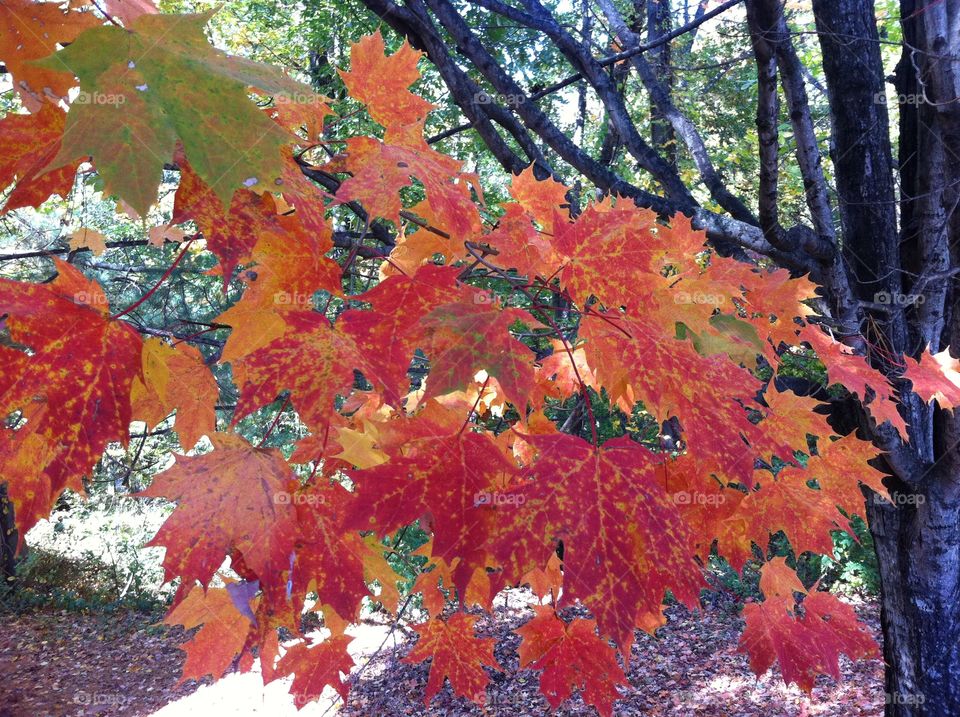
(68, 664)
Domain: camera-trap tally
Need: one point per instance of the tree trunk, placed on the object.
(8, 543)
(918, 549)
(661, 131)
(917, 538)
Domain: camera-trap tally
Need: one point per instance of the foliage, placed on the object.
(613, 401)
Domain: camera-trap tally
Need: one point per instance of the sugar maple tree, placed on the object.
(608, 304)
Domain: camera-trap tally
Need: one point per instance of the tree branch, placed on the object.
(680, 123)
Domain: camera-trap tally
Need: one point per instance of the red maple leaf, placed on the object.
(73, 387)
(571, 657)
(625, 544)
(458, 655)
(235, 498)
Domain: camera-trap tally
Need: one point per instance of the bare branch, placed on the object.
(680, 123)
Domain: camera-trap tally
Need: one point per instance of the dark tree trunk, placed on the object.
(8, 543)
(661, 131)
(917, 548)
(903, 277)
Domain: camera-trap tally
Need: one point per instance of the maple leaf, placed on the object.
(448, 478)
(624, 542)
(775, 299)
(571, 657)
(30, 31)
(559, 375)
(413, 251)
(586, 245)
(520, 246)
(545, 582)
(129, 10)
(773, 635)
(779, 581)
(316, 666)
(838, 630)
(635, 358)
(302, 111)
(359, 448)
(457, 655)
(435, 580)
(307, 199)
(310, 341)
(27, 144)
(235, 498)
(90, 239)
(288, 271)
(347, 441)
(381, 81)
(377, 568)
(463, 338)
(156, 236)
(856, 375)
(788, 420)
(263, 643)
(935, 377)
(840, 467)
(329, 561)
(389, 335)
(158, 81)
(380, 170)
(176, 378)
(728, 335)
(72, 388)
(222, 635)
(703, 501)
(784, 502)
(230, 234)
(541, 200)
(803, 646)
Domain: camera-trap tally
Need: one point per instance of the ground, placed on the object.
(68, 664)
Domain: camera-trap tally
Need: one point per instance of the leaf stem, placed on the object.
(166, 275)
(276, 420)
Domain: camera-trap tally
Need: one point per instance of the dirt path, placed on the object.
(64, 664)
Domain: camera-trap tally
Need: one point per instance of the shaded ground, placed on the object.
(68, 664)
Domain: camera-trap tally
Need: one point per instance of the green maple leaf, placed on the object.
(145, 88)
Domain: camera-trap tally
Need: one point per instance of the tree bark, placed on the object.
(917, 537)
(661, 131)
(862, 158)
(8, 543)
